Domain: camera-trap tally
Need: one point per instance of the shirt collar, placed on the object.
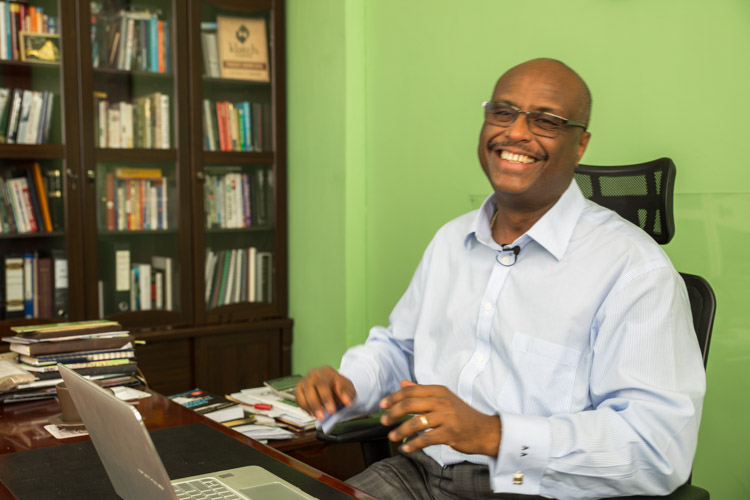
(552, 231)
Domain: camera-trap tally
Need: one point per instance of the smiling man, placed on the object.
(544, 347)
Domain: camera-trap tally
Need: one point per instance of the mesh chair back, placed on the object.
(703, 306)
(640, 193)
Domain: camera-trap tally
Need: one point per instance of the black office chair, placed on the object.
(641, 193)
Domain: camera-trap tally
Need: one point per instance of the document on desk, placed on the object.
(263, 432)
(281, 409)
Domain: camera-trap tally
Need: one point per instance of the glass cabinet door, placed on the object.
(132, 163)
(238, 95)
(34, 194)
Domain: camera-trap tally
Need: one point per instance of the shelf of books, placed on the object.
(137, 240)
(33, 238)
(237, 163)
(132, 162)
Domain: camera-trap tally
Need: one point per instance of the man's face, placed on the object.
(528, 169)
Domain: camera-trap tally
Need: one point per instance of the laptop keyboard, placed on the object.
(207, 487)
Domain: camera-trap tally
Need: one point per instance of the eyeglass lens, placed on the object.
(539, 122)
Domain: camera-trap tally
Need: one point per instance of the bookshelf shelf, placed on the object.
(24, 236)
(135, 155)
(212, 231)
(125, 74)
(234, 157)
(33, 151)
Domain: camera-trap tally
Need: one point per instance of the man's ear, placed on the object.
(582, 144)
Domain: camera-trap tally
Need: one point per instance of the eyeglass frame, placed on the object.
(519, 111)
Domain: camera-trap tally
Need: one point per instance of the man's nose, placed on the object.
(519, 129)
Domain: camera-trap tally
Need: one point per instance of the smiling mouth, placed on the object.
(520, 155)
(516, 157)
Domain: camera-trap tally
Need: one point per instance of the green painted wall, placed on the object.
(384, 117)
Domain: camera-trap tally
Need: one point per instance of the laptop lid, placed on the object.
(121, 440)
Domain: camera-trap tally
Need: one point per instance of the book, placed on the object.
(55, 198)
(87, 344)
(67, 329)
(45, 296)
(284, 386)
(242, 48)
(129, 367)
(217, 408)
(163, 265)
(60, 284)
(41, 194)
(13, 281)
(73, 365)
(127, 351)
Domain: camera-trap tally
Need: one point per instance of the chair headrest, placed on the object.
(641, 193)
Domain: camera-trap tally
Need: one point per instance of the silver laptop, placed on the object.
(134, 467)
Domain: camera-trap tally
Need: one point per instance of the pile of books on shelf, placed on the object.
(25, 116)
(99, 349)
(130, 40)
(236, 199)
(143, 122)
(34, 285)
(136, 200)
(17, 18)
(238, 275)
(233, 126)
(30, 201)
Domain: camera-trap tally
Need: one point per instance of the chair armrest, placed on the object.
(365, 428)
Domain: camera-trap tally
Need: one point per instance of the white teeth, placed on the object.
(515, 158)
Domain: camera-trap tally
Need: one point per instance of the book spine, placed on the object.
(45, 287)
(41, 195)
(60, 281)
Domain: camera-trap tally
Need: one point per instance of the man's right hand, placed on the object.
(322, 390)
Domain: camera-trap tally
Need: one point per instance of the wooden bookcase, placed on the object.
(163, 226)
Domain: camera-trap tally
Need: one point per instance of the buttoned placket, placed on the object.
(487, 311)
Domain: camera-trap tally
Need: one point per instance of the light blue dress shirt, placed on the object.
(584, 347)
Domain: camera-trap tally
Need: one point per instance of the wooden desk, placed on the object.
(22, 428)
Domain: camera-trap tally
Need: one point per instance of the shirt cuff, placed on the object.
(523, 455)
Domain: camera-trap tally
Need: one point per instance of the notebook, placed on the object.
(133, 464)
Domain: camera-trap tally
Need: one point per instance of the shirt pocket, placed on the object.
(541, 377)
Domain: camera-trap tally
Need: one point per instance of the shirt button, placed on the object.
(488, 307)
(517, 478)
(480, 358)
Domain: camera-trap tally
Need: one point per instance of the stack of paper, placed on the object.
(281, 409)
(264, 432)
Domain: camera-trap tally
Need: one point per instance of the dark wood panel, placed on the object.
(167, 365)
(231, 362)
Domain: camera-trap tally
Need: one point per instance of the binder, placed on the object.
(114, 269)
(60, 284)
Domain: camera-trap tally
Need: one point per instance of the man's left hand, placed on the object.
(442, 418)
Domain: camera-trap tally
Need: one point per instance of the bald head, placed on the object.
(563, 75)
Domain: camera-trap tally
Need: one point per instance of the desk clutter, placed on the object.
(99, 349)
(262, 413)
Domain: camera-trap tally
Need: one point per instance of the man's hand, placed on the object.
(449, 420)
(322, 390)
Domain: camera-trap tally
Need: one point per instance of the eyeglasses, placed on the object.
(540, 123)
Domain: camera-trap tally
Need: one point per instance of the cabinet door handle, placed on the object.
(200, 175)
(72, 175)
(91, 174)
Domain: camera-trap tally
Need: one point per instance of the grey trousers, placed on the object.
(417, 476)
